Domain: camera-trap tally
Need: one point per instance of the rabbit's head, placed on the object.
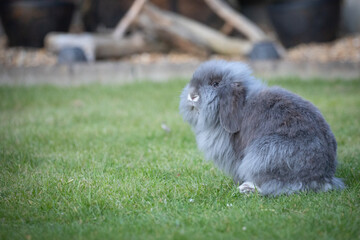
(216, 94)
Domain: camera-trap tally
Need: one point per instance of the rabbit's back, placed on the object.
(285, 142)
(275, 111)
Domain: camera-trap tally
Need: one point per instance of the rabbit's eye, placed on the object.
(214, 84)
(215, 81)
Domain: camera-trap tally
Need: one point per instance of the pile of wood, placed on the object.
(346, 49)
(146, 28)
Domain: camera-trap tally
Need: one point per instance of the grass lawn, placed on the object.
(93, 162)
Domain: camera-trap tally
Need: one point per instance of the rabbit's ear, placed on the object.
(232, 100)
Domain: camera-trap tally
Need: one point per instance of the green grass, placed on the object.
(93, 162)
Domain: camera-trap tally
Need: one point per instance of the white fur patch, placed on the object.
(193, 98)
(248, 187)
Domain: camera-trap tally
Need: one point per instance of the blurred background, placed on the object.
(294, 30)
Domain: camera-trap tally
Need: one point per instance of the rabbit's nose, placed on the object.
(193, 97)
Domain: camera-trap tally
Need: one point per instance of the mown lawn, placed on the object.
(93, 162)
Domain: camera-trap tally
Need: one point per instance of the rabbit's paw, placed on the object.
(248, 187)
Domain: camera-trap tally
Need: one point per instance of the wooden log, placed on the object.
(237, 20)
(99, 46)
(189, 35)
(129, 17)
(161, 30)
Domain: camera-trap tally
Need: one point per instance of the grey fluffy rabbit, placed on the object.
(266, 138)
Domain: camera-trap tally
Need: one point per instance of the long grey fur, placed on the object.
(264, 135)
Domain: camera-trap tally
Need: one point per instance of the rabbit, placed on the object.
(268, 139)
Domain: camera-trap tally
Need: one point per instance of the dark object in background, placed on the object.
(107, 13)
(305, 21)
(351, 16)
(258, 14)
(71, 54)
(27, 22)
(264, 51)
